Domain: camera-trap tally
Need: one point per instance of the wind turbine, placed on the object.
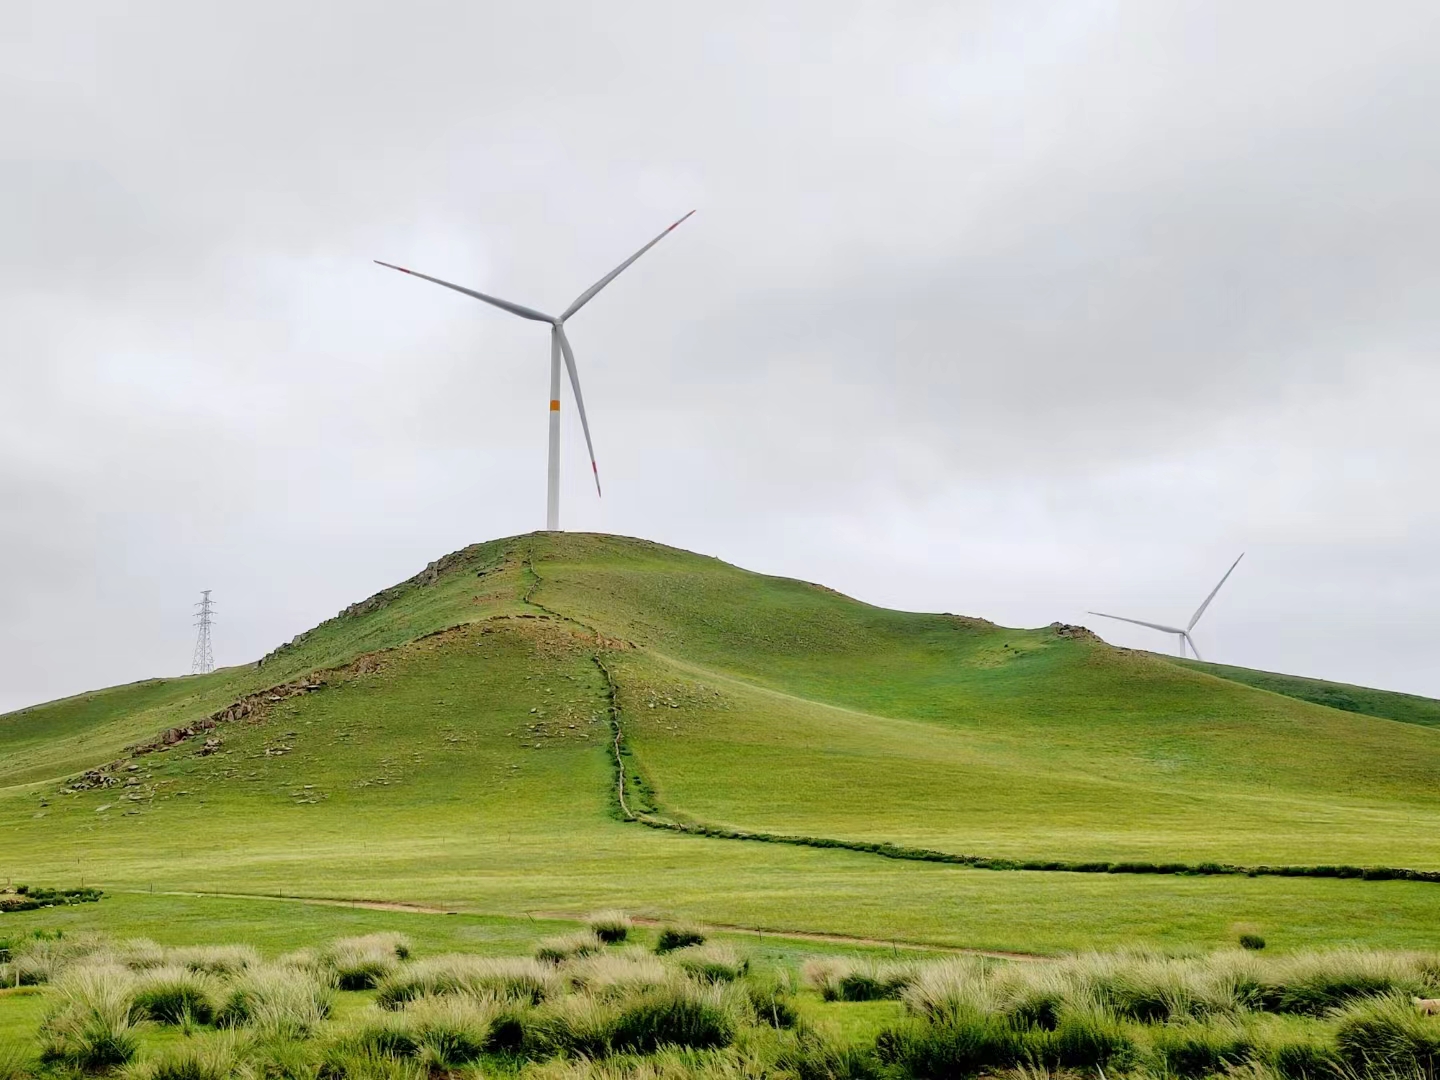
(559, 347)
(1184, 635)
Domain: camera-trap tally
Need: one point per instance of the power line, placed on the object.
(204, 660)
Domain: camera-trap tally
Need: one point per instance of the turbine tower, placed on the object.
(203, 662)
(1183, 635)
(559, 349)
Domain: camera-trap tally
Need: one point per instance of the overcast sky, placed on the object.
(1002, 308)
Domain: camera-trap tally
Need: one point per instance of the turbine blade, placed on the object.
(1193, 649)
(504, 305)
(579, 399)
(1201, 609)
(1138, 622)
(589, 294)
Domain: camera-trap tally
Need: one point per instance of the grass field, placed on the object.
(611, 999)
(455, 751)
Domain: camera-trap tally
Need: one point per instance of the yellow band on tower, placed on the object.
(554, 405)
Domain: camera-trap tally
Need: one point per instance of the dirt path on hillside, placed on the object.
(572, 916)
(319, 901)
(808, 935)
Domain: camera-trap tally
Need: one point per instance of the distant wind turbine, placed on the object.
(1183, 635)
(559, 347)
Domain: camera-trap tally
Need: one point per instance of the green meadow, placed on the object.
(451, 744)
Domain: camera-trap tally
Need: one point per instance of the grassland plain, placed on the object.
(678, 1004)
(454, 749)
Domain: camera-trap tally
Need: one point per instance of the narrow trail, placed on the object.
(316, 901)
(762, 932)
(809, 935)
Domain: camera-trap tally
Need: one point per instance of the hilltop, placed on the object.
(454, 740)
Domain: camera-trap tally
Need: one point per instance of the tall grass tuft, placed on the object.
(678, 936)
(556, 950)
(91, 1025)
(1203, 1048)
(838, 979)
(344, 1062)
(16, 1062)
(1388, 1031)
(1313, 983)
(953, 988)
(513, 979)
(769, 996)
(618, 973)
(140, 954)
(359, 963)
(456, 1031)
(277, 1002)
(217, 1057)
(43, 957)
(712, 963)
(215, 959)
(673, 1016)
(611, 927)
(174, 994)
(964, 1044)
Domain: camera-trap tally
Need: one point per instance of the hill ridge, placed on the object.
(634, 712)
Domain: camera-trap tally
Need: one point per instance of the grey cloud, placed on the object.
(1010, 309)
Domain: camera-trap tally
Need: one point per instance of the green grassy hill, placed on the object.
(1408, 708)
(453, 742)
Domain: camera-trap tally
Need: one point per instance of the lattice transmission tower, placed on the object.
(204, 661)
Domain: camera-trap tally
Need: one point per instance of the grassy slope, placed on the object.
(798, 710)
(1407, 708)
(57, 739)
(794, 709)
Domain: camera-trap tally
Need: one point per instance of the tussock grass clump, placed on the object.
(276, 1001)
(359, 963)
(971, 1041)
(948, 989)
(1313, 983)
(673, 1016)
(91, 1025)
(618, 973)
(215, 959)
(678, 1014)
(770, 999)
(1197, 1049)
(218, 1057)
(556, 950)
(838, 979)
(962, 1045)
(342, 1062)
(390, 1034)
(1154, 989)
(611, 927)
(714, 963)
(16, 1062)
(512, 979)
(43, 957)
(456, 1031)
(444, 1033)
(1388, 1032)
(140, 954)
(678, 936)
(174, 995)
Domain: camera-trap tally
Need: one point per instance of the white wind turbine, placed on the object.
(1183, 635)
(559, 347)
